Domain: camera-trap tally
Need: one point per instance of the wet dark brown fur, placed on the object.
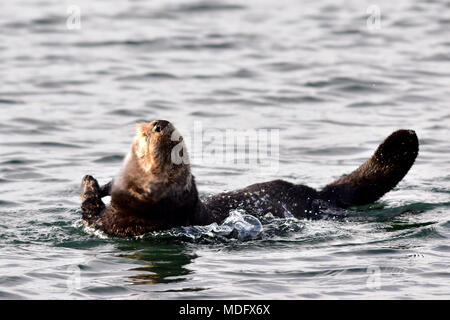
(154, 192)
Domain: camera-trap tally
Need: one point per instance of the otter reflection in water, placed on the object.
(156, 191)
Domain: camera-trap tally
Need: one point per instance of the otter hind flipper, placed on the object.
(91, 199)
(378, 175)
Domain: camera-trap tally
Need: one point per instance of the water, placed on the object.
(334, 87)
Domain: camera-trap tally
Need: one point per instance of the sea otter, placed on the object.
(156, 190)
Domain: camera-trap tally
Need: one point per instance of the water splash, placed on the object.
(238, 226)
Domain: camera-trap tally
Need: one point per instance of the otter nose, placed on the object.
(159, 125)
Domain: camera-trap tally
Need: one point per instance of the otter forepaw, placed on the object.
(91, 201)
(90, 187)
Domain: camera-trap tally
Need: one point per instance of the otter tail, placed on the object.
(378, 175)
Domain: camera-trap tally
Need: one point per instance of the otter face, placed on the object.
(155, 144)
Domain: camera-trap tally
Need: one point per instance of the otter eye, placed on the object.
(156, 128)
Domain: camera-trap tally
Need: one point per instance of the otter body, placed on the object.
(281, 198)
(155, 189)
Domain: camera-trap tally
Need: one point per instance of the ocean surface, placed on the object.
(331, 78)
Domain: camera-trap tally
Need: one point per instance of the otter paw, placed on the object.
(90, 187)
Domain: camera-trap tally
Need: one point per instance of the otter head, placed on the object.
(155, 179)
(160, 149)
